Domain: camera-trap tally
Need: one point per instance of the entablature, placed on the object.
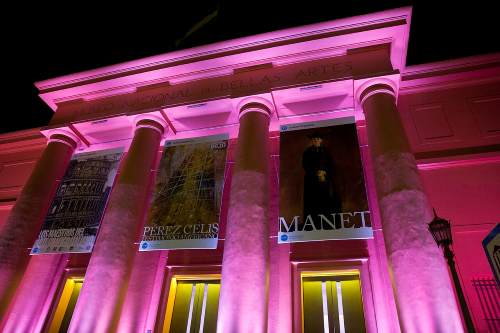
(308, 73)
(284, 47)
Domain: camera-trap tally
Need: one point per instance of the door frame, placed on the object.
(172, 275)
(68, 273)
(332, 267)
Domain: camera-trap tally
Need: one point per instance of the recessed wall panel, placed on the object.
(431, 123)
(486, 112)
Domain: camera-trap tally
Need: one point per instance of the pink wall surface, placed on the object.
(470, 205)
(463, 191)
(143, 303)
(466, 193)
(453, 130)
(449, 112)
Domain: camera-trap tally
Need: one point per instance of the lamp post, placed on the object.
(441, 231)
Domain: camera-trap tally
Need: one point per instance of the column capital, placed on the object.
(151, 121)
(64, 137)
(375, 86)
(255, 104)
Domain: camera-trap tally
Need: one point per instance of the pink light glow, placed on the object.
(74, 85)
(128, 88)
(40, 280)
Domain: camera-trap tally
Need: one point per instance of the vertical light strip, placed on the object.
(203, 307)
(341, 309)
(188, 328)
(325, 307)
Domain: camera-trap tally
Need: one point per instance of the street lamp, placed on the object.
(441, 231)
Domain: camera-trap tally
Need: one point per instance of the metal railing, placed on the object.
(489, 297)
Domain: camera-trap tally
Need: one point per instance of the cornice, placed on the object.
(22, 141)
(277, 61)
(478, 159)
(453, 66)
(22, 147)
(242, 45)
(449, 84)
(451, 74)
(27, 134)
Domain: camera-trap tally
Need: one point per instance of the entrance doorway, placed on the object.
(193, 306)
(332, 303)
(66, 306)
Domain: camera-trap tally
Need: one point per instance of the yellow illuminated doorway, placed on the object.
(332, 303)
(192, 306)
(66, 306)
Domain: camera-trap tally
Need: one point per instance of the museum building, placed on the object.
(428, 137)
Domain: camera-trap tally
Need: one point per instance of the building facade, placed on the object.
(428, 138)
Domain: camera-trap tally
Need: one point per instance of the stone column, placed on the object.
(244, 289)
(103, 292)
(23, 224)
(424, 295)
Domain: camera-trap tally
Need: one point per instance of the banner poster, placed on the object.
(322, 192)
(73, 219)
(185, 203)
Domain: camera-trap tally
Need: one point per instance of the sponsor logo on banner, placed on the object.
(322, 193)
(73, 219)
(185, 204)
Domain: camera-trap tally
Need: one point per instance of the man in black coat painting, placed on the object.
(320, 195)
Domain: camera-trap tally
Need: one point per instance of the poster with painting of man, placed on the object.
(322, 192)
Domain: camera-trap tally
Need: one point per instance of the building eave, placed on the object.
(314, 41)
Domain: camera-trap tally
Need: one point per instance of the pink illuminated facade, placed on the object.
(428, 136)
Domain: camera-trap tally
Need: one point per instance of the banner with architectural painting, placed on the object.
(187, 195)
(73, 219)
(322, 192)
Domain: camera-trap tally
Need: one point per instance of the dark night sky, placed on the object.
(60, 41)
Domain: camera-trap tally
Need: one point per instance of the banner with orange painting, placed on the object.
(185, 204)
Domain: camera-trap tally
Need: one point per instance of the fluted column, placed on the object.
(106, 280)
(21, 228)
(424, 296)
(244, 289)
